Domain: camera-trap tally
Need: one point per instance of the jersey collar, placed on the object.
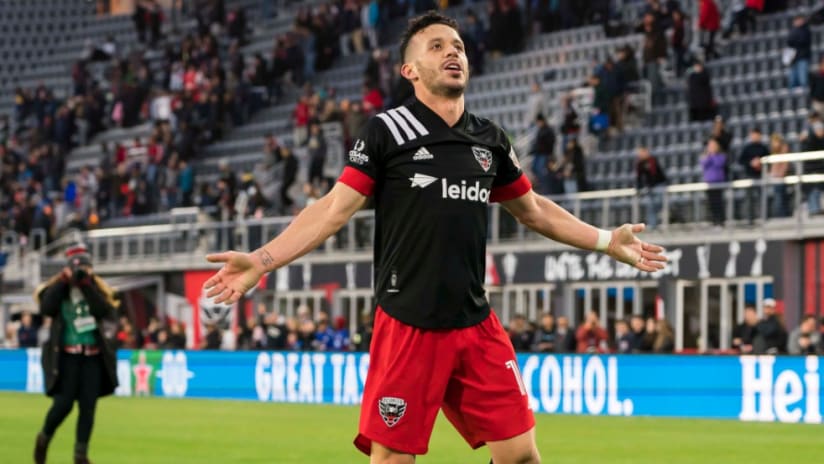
(432, 119)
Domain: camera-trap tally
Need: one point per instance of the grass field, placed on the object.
(160, 431)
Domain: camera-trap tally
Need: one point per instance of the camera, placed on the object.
(79, 268)
(79, 274)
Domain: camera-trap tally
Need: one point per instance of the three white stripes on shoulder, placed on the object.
(399, 120)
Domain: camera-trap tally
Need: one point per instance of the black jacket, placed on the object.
(774, 335)
(51, 299)
(699, 90)
(817, 86)
(749, 153)
(801, 39)
(648, 173)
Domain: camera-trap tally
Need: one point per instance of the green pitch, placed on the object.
(160, 431)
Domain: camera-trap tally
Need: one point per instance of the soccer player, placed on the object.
(432, 168)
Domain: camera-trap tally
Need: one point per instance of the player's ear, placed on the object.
(409, 72)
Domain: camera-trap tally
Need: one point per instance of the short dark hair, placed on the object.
(420, 23)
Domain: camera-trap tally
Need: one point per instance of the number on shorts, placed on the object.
(513, 366)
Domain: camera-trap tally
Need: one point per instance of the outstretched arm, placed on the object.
(550, 220)
(309, 229)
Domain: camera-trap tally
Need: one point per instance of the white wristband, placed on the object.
(604, 237)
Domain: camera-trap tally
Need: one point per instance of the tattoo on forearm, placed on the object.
(266, 259)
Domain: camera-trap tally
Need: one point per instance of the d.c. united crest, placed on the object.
(391, 409)
(483, 156)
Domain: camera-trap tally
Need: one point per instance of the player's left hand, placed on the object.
(627, 248)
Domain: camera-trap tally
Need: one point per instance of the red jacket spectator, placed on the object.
(372, 100)
(755, 4)
(301, 113)
(709, 19)
(591, 339)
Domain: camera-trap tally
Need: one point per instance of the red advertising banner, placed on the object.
(205, 311)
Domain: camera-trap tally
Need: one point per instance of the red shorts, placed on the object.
(471, 373)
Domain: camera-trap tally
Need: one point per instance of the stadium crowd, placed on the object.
(269, 330)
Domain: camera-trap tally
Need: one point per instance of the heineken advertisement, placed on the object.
(750, 388)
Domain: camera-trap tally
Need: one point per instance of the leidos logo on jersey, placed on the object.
(463, 191)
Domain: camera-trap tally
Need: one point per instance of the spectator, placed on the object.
(803, 340)
(474, 37)
(363, 337)
(340, 338)
(701, 103)
(750, 160)
(599, 119)
(10, 336)
(616, 87)
(372, 98)
(814, 142)
(714, 166)
(236, 25)
(289, 175)
(650, 179)
(626, 65)
(679, 43)
(27, 332)
(520, 333)
(817, 87)
(317, 156)
(543, 151)
(177, 337)
(638, 333)
(324, 337)
(369, 17)
(772, 330)
(742, 16)
(623, 337)
(535, 104)
(565, 341)
(275, 329)
(721, 133)
(306, 335)
(545, 337)
(139, 19)
(353, 119)
(300, 121)
(570, 122)
(350, 29)
(664, 338)
(126, 337)
(654, 53)
(591, 337)
(745, 333)
(780, 206)
(213, 339)
(799, 43)
(573, 168)
(709, 22)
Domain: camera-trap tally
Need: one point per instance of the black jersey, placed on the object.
(431, 185)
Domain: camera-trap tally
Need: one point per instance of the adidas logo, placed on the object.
(422, 154)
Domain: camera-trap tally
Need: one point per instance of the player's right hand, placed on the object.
(238, 274)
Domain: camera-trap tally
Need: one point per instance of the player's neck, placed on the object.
(449, 109)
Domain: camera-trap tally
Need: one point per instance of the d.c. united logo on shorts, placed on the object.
(391, 409)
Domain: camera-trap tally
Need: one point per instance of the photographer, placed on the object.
(78, 362)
